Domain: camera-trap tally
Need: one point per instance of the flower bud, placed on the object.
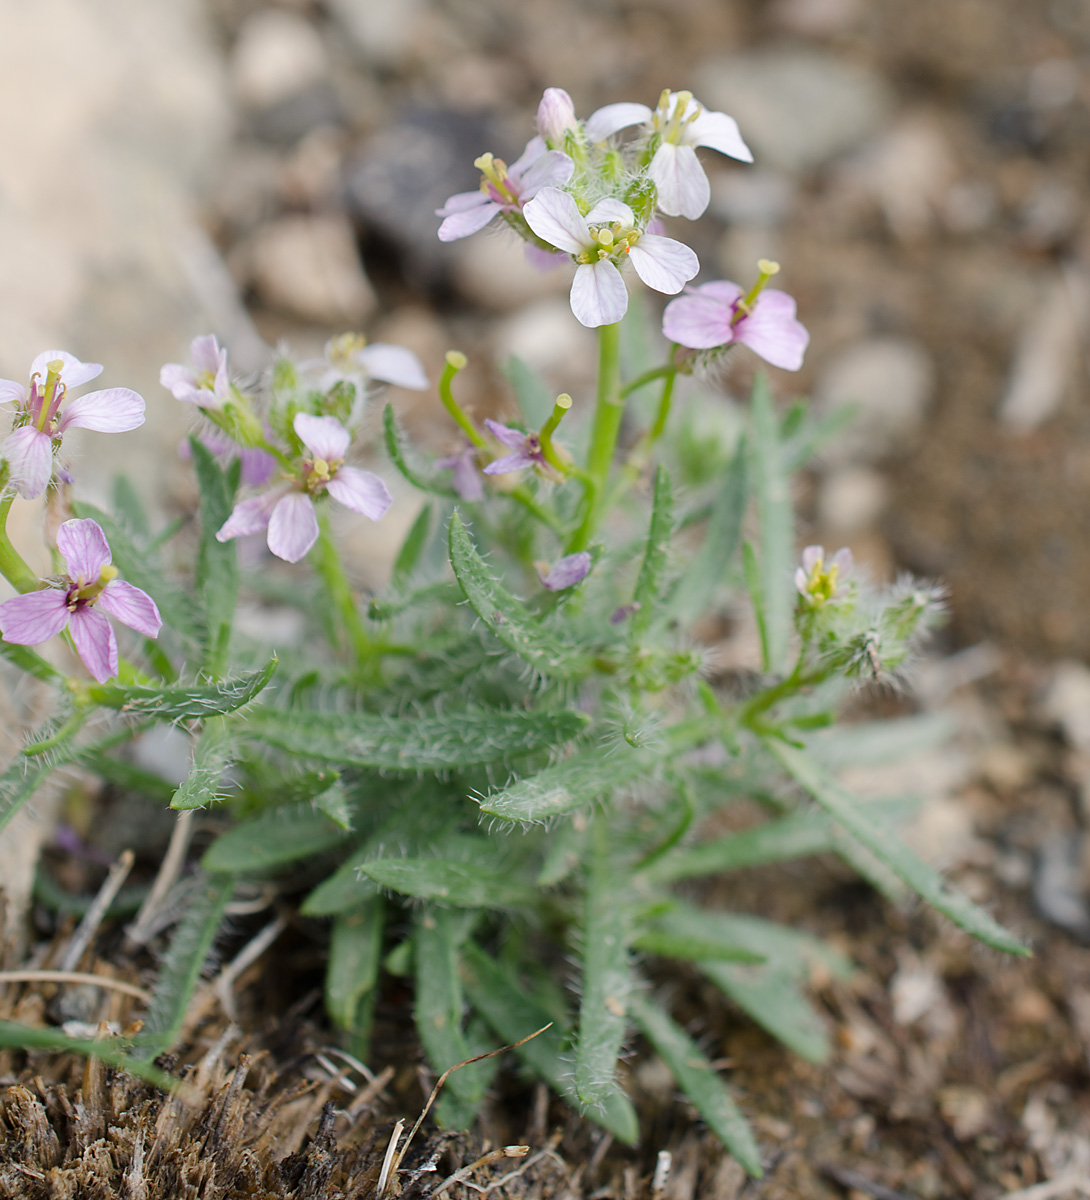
(556, 117)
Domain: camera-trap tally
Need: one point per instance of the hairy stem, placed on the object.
(327, 562)
(603, 442)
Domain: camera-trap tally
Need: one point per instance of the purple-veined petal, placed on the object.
(12, 392)
(466, 477)
(361, 491)
(663, 264)
(206, 354)
(719, 289)
(73, 373)
(180, 382)
(773, 332)
(697, 321)
(29, 453)
(518, 461)
(552, 169)
(84, 549)
(393, 364)
(812, 557)
(324, 437)
(469, 221)
(554, 216)
(33, 618)
(598, 294)
(95, 642)
(544, 260)
(515, 439)
(599, 125)
(534, 149)
(567, 572)
(682, 187)
(115, 410)
(606, 211)
(555, 115)
(719, 132)
(131, 607)
(462, 202)
(293, 527)
(251, 516)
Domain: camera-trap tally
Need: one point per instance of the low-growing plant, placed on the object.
(498, 777)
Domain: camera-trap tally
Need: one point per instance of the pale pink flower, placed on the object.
(598, 243)
(503, 189)
(817, 582)
(349, 358)
(566, 572)
(466, 478)
(713, 315)
(525, 447)
(79, 600)
(556, 117)
(40, 424)
(204, 381)
(288, 512)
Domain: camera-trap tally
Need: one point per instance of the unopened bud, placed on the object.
(555, 116)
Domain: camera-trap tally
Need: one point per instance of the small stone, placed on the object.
(546, 338)
(494, 272)
(965, 1109)
(383, 33)
(278, 55)
(889, 380)
(756, 197)
(797, 107)
(1059, 885)
(1066, 703)
(852, 499)
(308, 266)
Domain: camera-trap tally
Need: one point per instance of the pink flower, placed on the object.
(526, 448)
(503, 188)
(39, 423)
(350, 359)
(566, 572)
(79, 600)
(556, 117)
(818, 583)
(712, 315)
(467, 479)
(204, 383)
(598, 242)
(288, 512)
(678, 125)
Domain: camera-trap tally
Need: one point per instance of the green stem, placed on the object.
(603, 441)
(455, 362)
(665, 371)
(327, 562)
(12, 566)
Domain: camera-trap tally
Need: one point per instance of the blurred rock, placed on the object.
(889, 380)
(548, 339)
(1059, 884)
(852, 499)
(816, 18)
(492, 271)
(277, 55)
(382, 33)
(1066, 703)
(753, 197)
(797, 108)
(308, 266)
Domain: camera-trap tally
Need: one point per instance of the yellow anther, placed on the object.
(320, 468)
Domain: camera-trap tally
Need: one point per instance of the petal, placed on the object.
(34, 617)
(95, 642)
(73, 373)
(683, 189)
(606, 211)
(554, 216)
(518, 461)
(663, 264)
(463, 202)
(131, 607)
(30, 454)
(324, 437)
(179, 381)
(515, 439)
(772, 331)
(293, 527)
(568, 571)
(719, 132)
(697, 321)
(801, 581)
(552, 169)
(251, 516)
(206, 354)
(12, 392)
(534, 149)
(812, 557)
(115, 410)
(598, 295)
(257, 465)
(463, 224)
(361, 491)
(555, 115)
(844, 563)
(393, 364)
(599, 125)
(544, 260)
(84, 548)
(719, 289)
(467, 479)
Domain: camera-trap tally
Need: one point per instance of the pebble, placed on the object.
(549, 340)
(278, 55)
(1066, 703)
(797, 107)
(1059, 885)
(493, 272)
(382, 33)
(889, 380)
(308, 266)
(852, 499)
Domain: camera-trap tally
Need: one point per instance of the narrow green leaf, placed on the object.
(384, 608)
(534, 398)
(211, 757)
(695, 592)
(508, 618)
(184, 701)
(130, 508)
(606, 982)
(751, 569)
(464, 885)
(438, 1005)
(272, 839)
(413, 546)
(112, 1051)
(649, 583)
(19, 782)
(181, 968)
(775, 522)
(771, 997)
(355, 952)
(668, 945)
(874, 743)
(589, 775)
(513, 1013)
(922, 879)
(429, 743)
(398, 453)
(217, 562)
(698, 1080)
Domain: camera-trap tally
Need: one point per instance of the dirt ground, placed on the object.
(921, 175)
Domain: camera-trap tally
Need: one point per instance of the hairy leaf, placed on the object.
(217, 562)
(465, 885)
(272, 839)
(775, 523)
(184, 701)
(211, 757)
(398, 453)
(355, 953)
(649, 583)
